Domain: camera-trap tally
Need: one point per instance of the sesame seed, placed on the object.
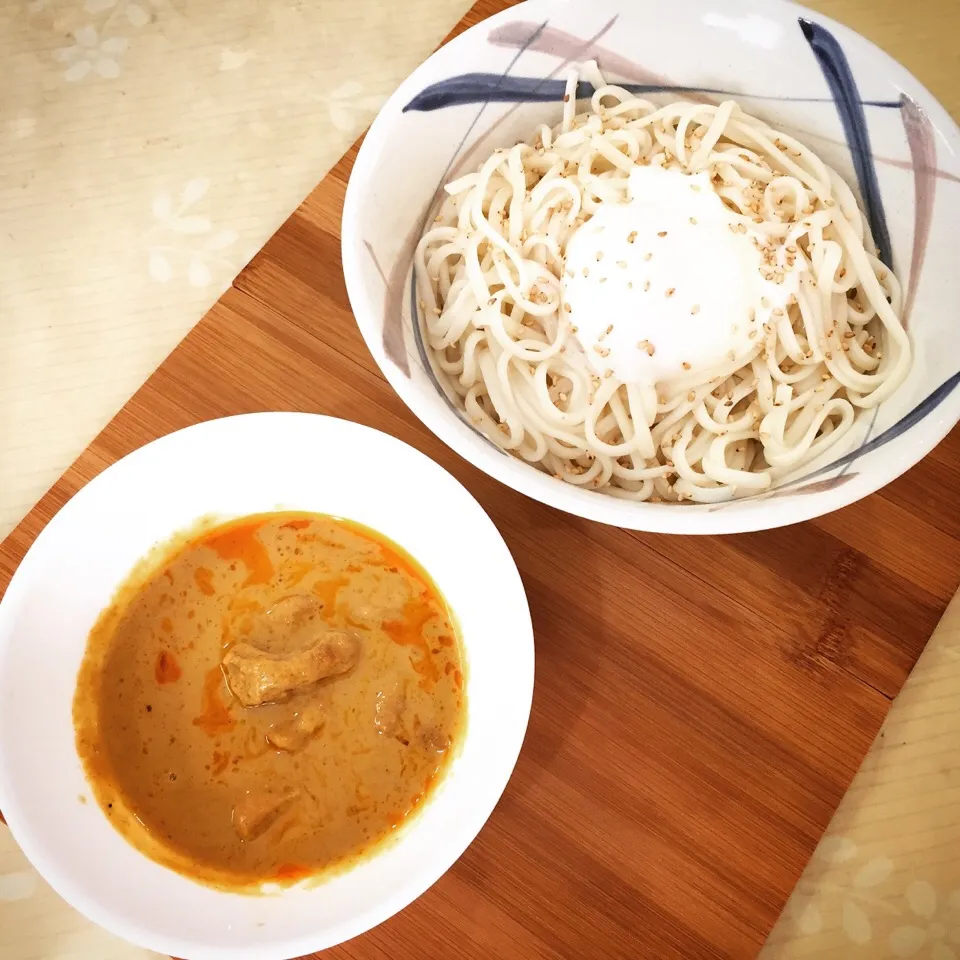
(603, 280)
(574, 330)
(751, 334)
(648, 346)
(566, 307)
(648, 256)
(670, 291)
(632, 236)
(629, 284)
(691, 396)
(622, 264)
(607, 373)
(695, 309)
(609, 329)
(599, 255)
(764, 302)
(646, 285)
(491, 301)
(695, 187)
(586, 271)
(602, 351)
(661, 233)
(685, 365)
(693, 220)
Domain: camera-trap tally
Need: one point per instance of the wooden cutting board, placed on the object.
(701, 704)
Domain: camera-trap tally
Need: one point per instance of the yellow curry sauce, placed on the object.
(270, 699)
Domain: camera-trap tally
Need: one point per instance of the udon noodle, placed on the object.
(489, 275)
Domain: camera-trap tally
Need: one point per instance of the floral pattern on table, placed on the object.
(181, 238)
(885, 880)
(91, 53)
(149, 143)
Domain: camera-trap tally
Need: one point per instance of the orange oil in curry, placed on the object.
(168, 750)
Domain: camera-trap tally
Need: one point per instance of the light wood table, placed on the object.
(179, 138)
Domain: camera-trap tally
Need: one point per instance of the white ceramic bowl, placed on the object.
(232, 467)
(859, 109)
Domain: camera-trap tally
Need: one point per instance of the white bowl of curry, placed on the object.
(252, 688)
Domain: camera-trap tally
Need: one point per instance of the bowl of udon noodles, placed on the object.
(682, 268)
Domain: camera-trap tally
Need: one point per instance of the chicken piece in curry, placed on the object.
(271, 699)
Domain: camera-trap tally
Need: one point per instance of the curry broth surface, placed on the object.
(172, 755)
